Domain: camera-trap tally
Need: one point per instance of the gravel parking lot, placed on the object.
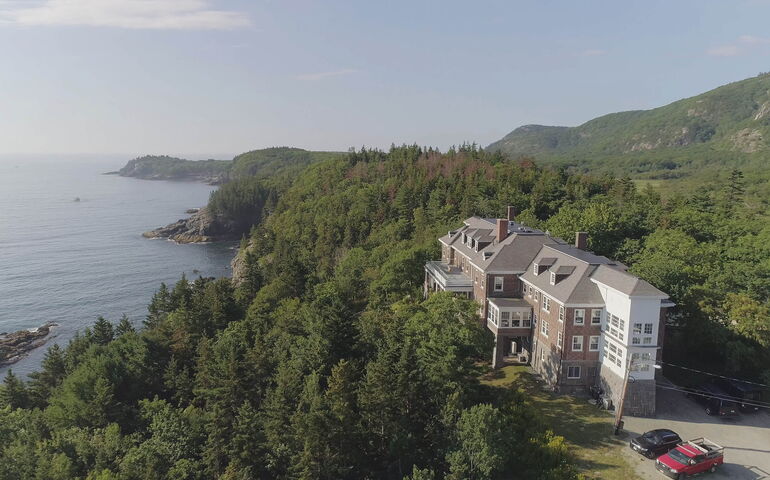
(746, 438)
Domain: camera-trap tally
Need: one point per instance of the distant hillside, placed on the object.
(725, 127)
(251, 184)
(259, 163)
(269, 161)
(163, 167)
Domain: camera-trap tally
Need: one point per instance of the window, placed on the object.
(559, 341)
(614, 321)
(515, 319)
(523, 289)
(505, 318)
(593, 343)
(536, 270)
(580, 316)
(648, 329)
(542, 356)
(526, 320)
(546, 304)
(637, 329)
(553, 278)
(592, 372)
(544, 328)
(577, 343)
(647, 341)
(561, 313)
(537, 296)
(573, 372)
(635, 341)
(622, 324)
(498, 284)
(596, 317)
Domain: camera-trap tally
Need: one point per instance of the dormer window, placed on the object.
(561, 273)
(543, 264)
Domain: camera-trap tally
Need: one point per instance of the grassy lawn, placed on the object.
(589, 431)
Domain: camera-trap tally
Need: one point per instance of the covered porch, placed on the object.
(442, 277)
(510, 319)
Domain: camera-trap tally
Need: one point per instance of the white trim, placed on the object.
(573, 343)
(575, 316)
(580, 372)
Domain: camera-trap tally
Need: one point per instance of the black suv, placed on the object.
(655, 442)
(717, 401)
(748, 395)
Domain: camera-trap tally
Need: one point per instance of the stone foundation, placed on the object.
(640, 394)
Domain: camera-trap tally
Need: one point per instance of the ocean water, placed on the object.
(68, 261)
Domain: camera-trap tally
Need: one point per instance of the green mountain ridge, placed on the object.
(725, 127)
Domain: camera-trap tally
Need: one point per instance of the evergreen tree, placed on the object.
(124, 326)
(102, 332)
(52, 371)
(14, 393)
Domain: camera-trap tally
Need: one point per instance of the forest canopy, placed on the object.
(323, 360)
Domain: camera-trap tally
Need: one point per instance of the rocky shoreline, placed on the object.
(201, 227)
(15, 346)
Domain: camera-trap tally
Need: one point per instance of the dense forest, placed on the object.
(322, 360)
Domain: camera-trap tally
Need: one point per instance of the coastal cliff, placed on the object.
(200, 227)
(15, 346)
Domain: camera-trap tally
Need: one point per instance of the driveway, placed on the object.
(746, 438)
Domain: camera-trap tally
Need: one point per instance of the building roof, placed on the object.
(513, 254)
(624, 282)
(579, 271)
(510, 303)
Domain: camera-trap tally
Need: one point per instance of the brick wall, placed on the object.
(550, 368)
(585, 359)
(511, 286)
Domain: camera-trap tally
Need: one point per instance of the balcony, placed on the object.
(442, 276)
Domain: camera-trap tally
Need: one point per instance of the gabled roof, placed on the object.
(513, 254)
(580, 271)
(626, 283)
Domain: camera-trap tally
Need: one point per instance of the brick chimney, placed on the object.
(581, 240)
(502, 229)
(511, 213)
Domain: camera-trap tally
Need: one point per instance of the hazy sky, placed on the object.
(192, 77)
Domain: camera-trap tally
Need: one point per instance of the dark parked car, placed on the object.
(748, 394)
(655, 442)
(716, 400)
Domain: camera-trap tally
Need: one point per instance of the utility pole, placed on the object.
(619, 411)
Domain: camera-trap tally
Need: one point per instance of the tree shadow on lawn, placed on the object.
(569, 416)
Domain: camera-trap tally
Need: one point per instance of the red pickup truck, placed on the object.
(690, 458)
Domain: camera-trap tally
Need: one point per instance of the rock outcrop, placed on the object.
(15, 346)
(200, 227)
(748, 140)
